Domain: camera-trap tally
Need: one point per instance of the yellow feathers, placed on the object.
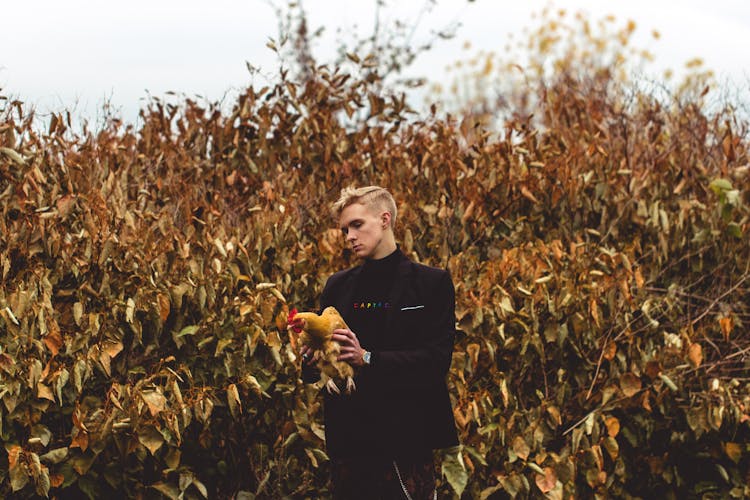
(316, 331)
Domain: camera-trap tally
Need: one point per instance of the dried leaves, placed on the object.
(600, 271)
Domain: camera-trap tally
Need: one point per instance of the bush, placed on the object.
(599, 251)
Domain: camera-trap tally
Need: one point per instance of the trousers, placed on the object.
(377, 478)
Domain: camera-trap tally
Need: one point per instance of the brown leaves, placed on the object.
(80, 434)
(65, 205)
(610, 349)
(521, 448)
(18, 474)
(164, 306)
(695, 354)
(151, 438)
(6, 363)
(25, 466)
(594, 311)
(734, 451)
(233, 399)
(547, 482)
(630, 384)
(473, 351)
(151, 267)
(454, 469)
(155, 401)
(529, 195)
(54, 342)
(726, 323)
(613, 426)
(13, 155)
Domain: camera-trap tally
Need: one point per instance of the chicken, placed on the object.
(316, 331)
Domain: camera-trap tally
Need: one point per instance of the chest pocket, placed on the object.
(411, 324)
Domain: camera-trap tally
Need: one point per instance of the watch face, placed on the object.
(366, 357)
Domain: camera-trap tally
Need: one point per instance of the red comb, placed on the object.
(292, 314)
(295, 324)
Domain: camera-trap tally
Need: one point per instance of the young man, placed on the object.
(380, 438)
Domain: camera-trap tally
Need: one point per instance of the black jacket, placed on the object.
(401, 404)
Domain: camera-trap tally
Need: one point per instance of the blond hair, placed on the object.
(372, 197)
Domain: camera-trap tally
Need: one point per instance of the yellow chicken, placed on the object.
(316, 331)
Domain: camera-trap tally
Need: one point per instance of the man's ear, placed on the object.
(385, 219)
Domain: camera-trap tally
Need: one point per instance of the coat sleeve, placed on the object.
(433, 356)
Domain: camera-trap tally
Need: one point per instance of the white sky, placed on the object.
(75, 54)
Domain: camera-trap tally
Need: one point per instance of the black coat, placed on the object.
(401, 405)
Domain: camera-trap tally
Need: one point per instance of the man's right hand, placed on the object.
(308, 355)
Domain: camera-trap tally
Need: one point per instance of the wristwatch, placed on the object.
(367, 357)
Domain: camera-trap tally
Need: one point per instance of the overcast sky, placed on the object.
(75, 54)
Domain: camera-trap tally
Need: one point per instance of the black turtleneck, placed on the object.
(371, 304)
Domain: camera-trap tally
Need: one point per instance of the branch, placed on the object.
(716, 301)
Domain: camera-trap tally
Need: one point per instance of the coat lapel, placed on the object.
(346, 297)
(403, 279)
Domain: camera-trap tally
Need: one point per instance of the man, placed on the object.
(381, 437)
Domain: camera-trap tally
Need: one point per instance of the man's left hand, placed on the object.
(351, 351)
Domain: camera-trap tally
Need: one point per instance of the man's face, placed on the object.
(363, 230)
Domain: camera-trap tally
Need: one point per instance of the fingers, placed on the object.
(307, 354)
(345, 337)
(345, 332)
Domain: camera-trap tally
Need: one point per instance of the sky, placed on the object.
(77, 55)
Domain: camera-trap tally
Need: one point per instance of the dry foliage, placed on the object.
(599, 249)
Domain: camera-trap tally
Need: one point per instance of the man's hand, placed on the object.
(351, 351)
(308, 355)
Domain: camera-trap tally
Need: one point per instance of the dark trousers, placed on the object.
(375, 478)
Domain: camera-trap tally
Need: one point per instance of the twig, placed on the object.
(687, 256)
(598, 366)
(582, 420)
(601, 354)
(716, 301)
(723, 362)
(602, 408)
(738, 353)
(692, 323)
(677, 292)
